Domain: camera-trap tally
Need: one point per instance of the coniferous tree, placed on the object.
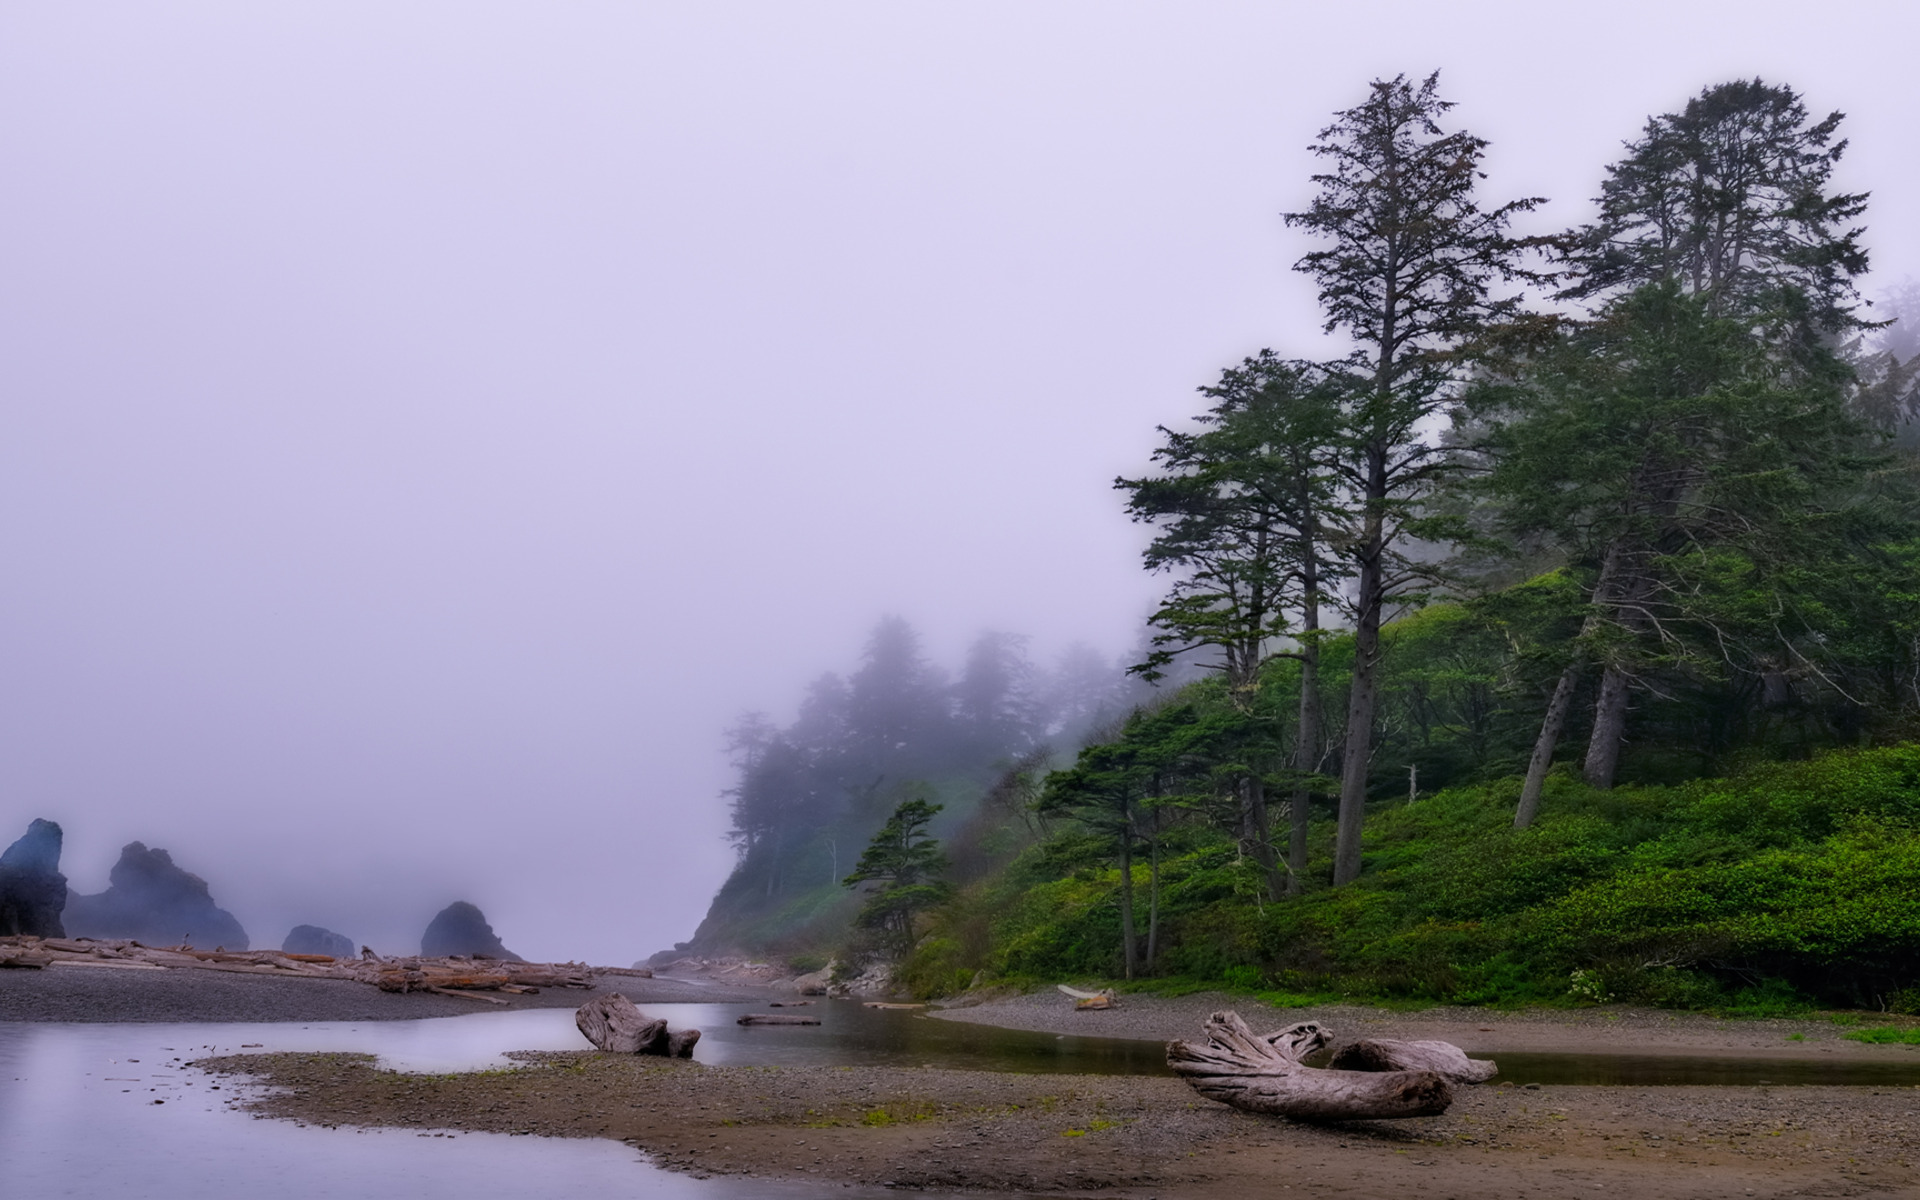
(1731, 198)
(1728, 203)
(1410, 276)
(896, 703)
(994, 699)
(1243, 509)
(1656, 441)
(903, 862)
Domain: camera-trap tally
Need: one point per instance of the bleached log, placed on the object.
(1263, 1074)
(613, 1024)
(457, 994)
(1444, 1059)
(777, 1019)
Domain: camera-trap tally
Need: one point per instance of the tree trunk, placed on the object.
(1126, 898)
(1609, 729)
(1358, 755)
(1543, 747)
(1442, 1058)
(1264, 1075)
(1262, 837)
(613, 1024)
(1153, 894)
(1306, 755)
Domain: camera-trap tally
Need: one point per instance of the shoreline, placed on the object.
(1074, 1135)
(1481, 1033)
(101, 995)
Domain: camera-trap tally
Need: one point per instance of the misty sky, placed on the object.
(424, 426)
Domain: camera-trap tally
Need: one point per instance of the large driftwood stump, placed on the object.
(1444, 1059)
(613, 1024)
(1264, 1075)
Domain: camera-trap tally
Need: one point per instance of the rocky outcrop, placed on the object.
(32, 890)
(312, 939)
(151, 900)
(460, 928)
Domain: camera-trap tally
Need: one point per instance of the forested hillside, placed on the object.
(808, 796)
(1561, 640)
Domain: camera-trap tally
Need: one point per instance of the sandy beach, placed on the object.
(1067, 1135)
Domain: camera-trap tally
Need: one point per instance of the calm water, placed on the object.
(112, 1110)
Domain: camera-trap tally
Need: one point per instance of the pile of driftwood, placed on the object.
(1264, 1073)
(467, 978)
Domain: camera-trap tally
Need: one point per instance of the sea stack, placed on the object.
(151, 900)
(460, 928)
(32, 890)
(312, 939)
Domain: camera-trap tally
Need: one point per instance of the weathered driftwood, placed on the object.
(1264, 1074)
(458, 994)
(1444, 1059)
(613, 1024)
(411, 974)
(788, 1003)
(777, 1019)
(1089, 1001)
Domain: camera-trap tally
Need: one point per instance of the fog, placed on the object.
(424, 427)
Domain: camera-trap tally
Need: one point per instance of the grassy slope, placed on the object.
(1789, 884)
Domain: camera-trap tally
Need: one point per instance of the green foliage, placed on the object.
(1788, 885)
(1886, 1035)
(902, 863)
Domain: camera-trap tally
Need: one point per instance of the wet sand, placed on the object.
(1136, 1137)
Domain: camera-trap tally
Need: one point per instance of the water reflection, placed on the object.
(848, 1033)
(110, 1110)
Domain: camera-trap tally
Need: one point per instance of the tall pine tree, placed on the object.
(1410, 274)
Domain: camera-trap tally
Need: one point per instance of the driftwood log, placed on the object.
(1089, 1001)
(777, 1019)
(1264, 1074)
(1444, 1059)
(613, 1024)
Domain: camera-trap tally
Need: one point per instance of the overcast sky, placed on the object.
(424, 426)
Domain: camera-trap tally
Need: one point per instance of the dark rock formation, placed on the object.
(32, 889)
(312, 939)
(153, 901)
(460, 928)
